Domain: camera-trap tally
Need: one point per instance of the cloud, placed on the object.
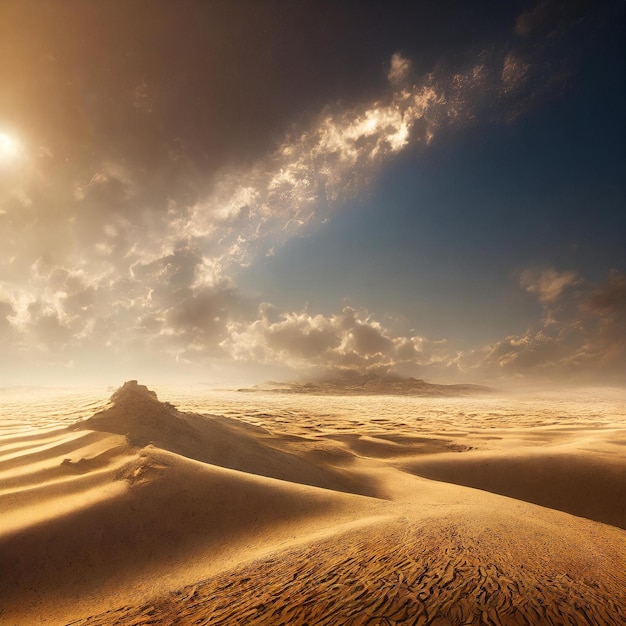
(251, 211)
(350, 341)
(605, 310)
(585, 343)
(514, 72)
(48, 329)
(6, 311)
(134, 242)
(112, 209)
(609, 301)
(548, 284)
(549, 17)
(399, 69)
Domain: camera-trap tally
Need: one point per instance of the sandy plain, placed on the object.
(270, 508)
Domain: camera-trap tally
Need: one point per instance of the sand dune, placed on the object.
(168, 517)
(580, 484)
(147, 514)
(445, 570)
(136, 413)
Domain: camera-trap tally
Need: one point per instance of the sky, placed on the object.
(233, 192)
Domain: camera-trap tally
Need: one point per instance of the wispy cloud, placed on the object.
(399, 69)
(249, 212)
(548, 284)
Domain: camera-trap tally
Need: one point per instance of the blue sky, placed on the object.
(450, 230)
(453, 227)
(252, 190)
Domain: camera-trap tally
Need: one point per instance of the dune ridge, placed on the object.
(136, 413)
(144, 514)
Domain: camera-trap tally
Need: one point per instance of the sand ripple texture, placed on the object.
(401, 573)
(24, 409)
(604, 408)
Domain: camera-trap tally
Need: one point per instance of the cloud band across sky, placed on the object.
(103, 258)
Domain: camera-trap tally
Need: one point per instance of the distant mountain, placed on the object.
(372, 384)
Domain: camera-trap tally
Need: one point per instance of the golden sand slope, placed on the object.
(180, 518)
(87, 517)
(456, 569)
(586, 485)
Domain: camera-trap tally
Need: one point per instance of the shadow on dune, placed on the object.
(176, 512)
(577, 484)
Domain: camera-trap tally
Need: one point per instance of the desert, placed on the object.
(312, 312)
(281, 508)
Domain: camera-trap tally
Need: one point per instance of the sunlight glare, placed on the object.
(10, 147)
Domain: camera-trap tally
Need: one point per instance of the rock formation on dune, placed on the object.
(135, 411)
(130, 390)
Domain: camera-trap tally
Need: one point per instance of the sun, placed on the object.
(10, 147)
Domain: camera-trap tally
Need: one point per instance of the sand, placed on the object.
(296, 513)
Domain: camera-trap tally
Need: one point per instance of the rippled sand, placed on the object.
(273, 508)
